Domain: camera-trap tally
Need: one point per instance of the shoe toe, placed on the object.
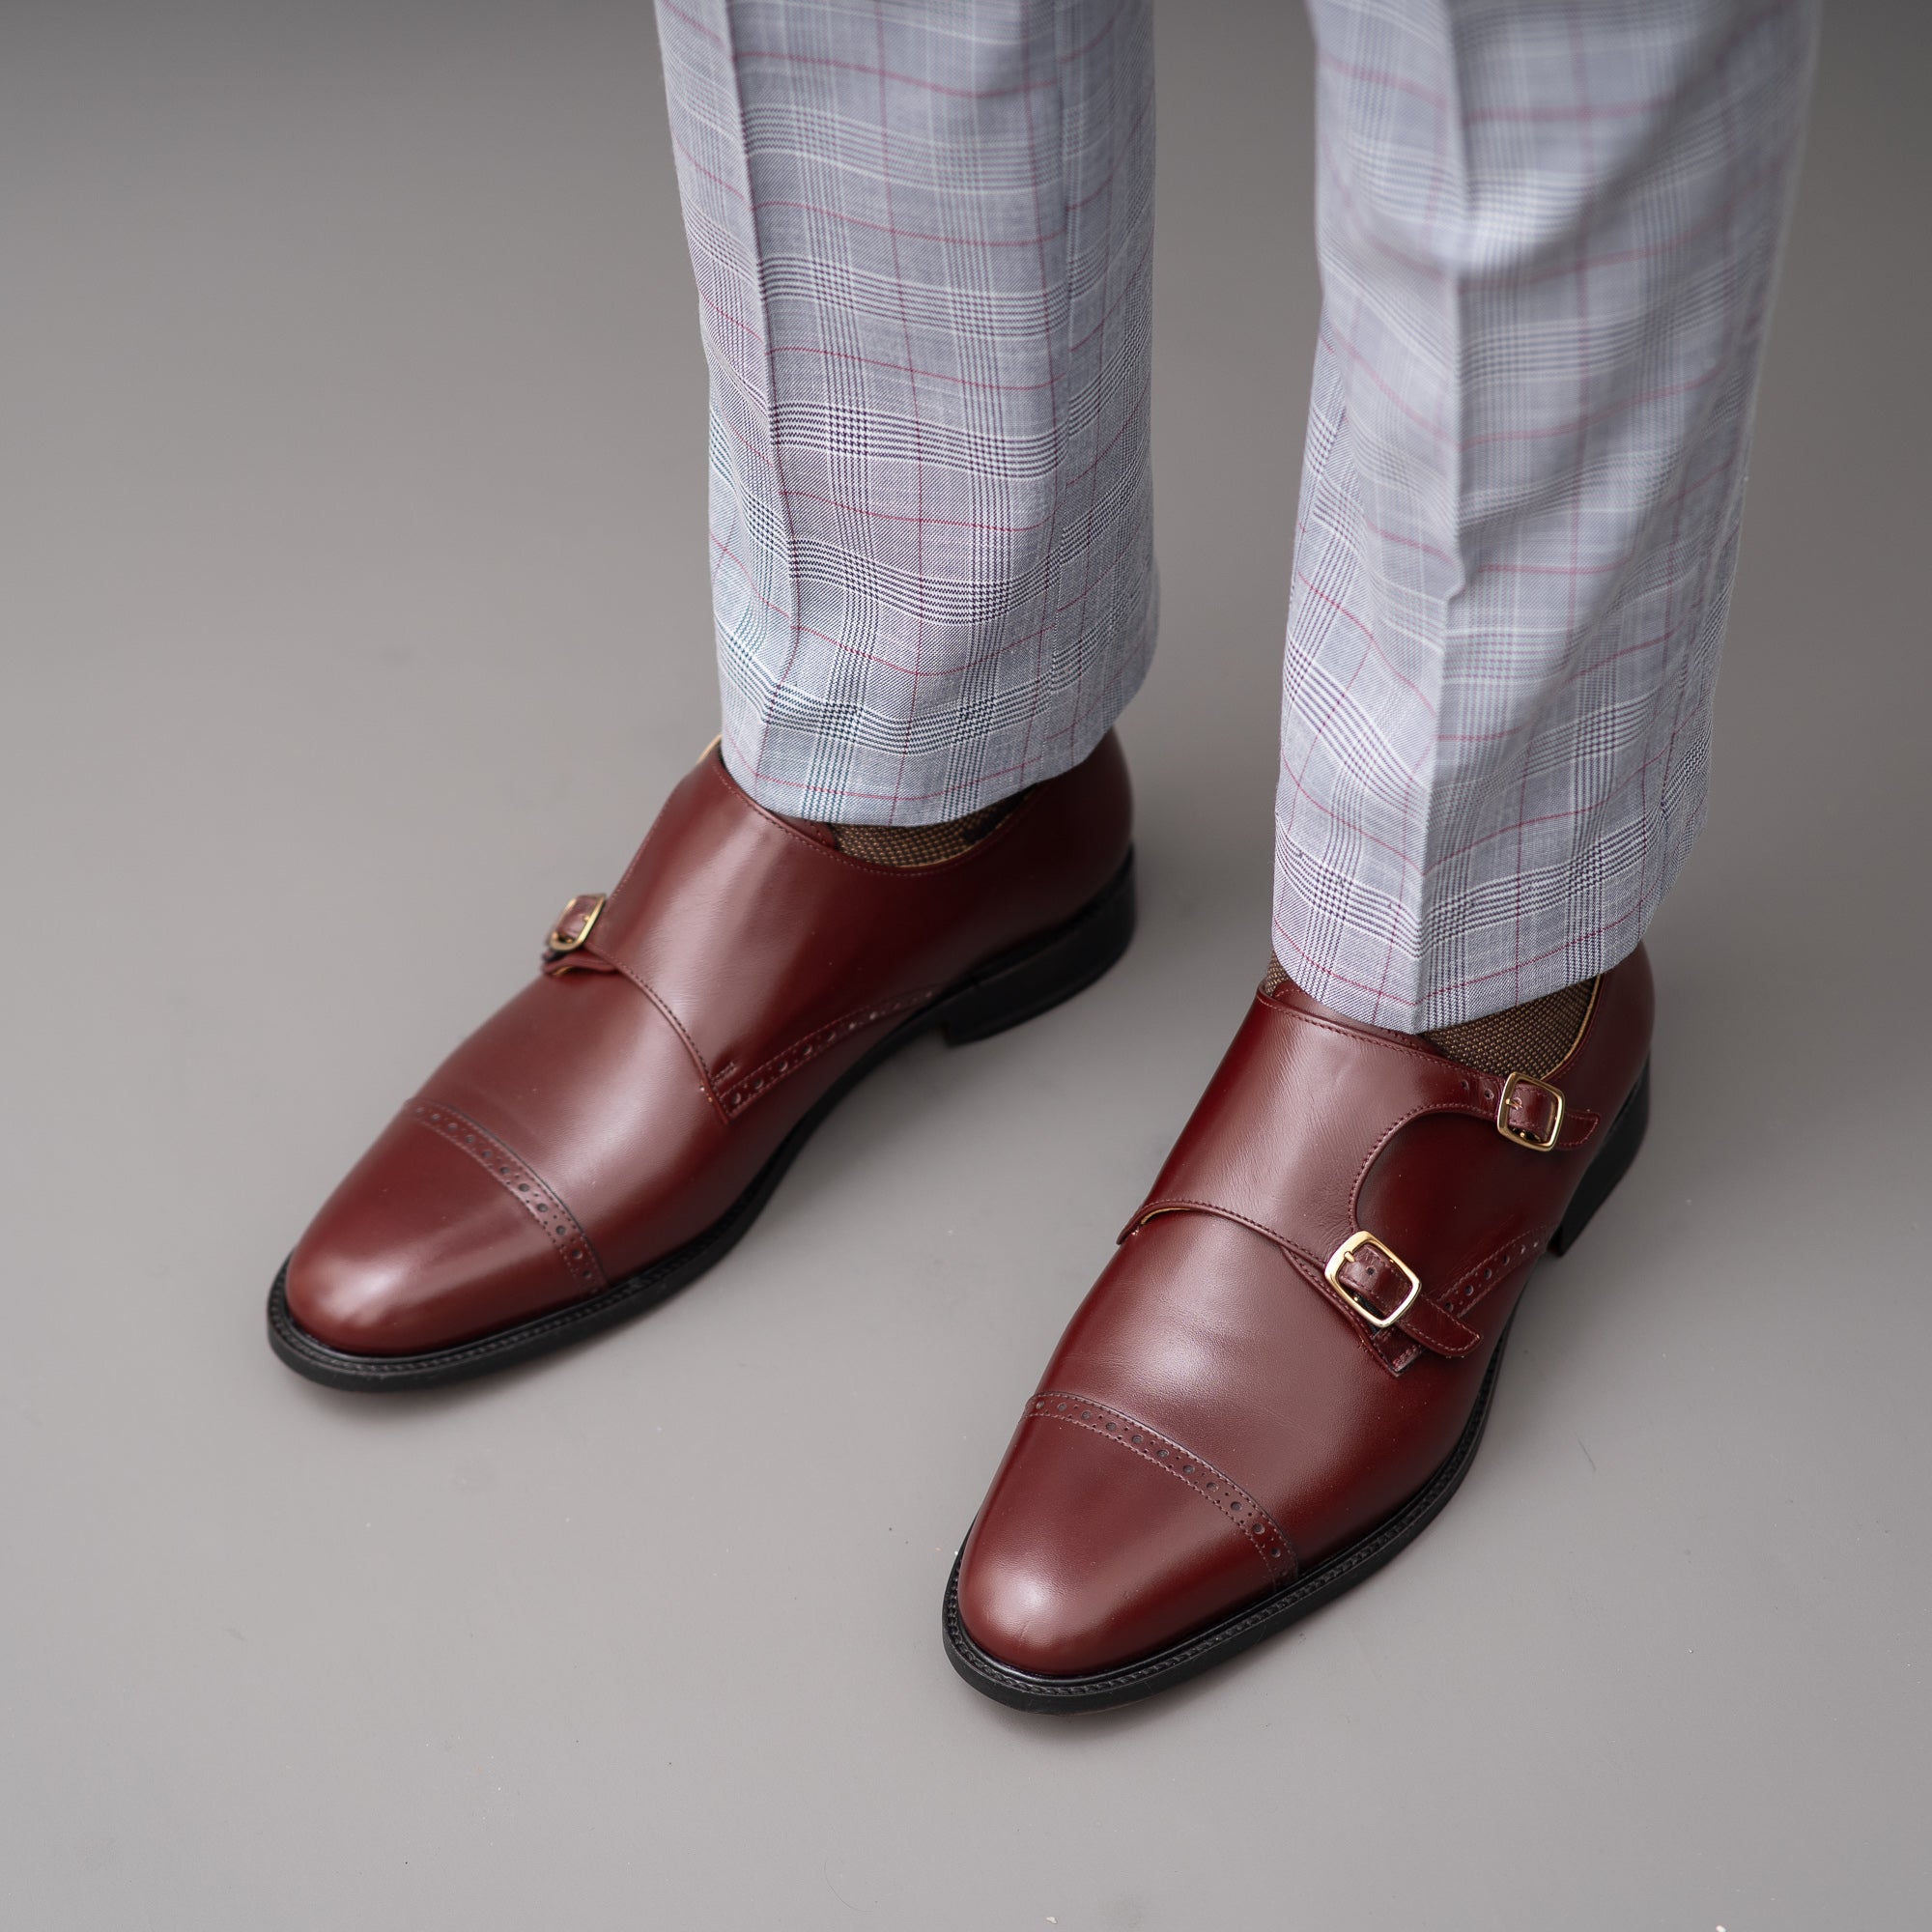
(421, 1247)
(1089, 1553)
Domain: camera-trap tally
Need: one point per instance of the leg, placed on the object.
(1548, 237)
(922, 244)
(921, 234)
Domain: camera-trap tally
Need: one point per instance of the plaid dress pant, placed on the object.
(1549, 235)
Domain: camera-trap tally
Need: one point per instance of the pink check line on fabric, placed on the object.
(869, 70)
(1101, 697)
(1341, 697)
(758, 205)
(716, 179)
(1077, 477)
(1581, 672)
(1608, 258)
(1436, 864)
(740, 55)
(1394, 917)
(1695, 616)
(778, 611)
(907, 233)
(882, 516)
(1348, 824)
(907, 369)
(918, 234)
(1610, 798)
(918, 426)
(1127, 287)
(1669, 629)
(1053, 410)
(1720, 54)
(850, 649)
(1125, 148)
(1719, 218)
(1336, 604)
(714, 307)
(1574, 942)
(723, 314)
(761, 336)
(1499, 568)
(1720, 57)
(1586, 135)
(1081, 52)
(808, 787)
(1573, 427)
(1579, 940)
(1396, 83)
(1094, 480)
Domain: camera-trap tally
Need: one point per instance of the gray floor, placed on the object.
(354, 616)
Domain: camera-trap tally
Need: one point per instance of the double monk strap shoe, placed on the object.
(1284, 1372)
(614, 1129)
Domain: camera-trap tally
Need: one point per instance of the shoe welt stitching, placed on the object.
(521, 1182)
(1269, 1540)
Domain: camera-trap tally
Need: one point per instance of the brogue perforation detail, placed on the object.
(520, 1182)
(1269, 1540)
(761, 1079)
(1467, 1292)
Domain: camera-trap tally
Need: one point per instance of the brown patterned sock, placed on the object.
(1533, 1038)
(922, 844)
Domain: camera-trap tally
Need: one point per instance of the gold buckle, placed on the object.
(580, 915)
(1522, 1136)
(1362, 1238)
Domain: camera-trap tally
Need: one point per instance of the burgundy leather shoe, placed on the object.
(608, 1134)
(1284, 1372)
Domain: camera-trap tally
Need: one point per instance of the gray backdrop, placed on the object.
(354, 616)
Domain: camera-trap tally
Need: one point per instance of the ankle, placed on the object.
(1534, 1038)
(922, 844)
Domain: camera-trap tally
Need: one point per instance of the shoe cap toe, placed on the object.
(420, 1248)
(1088, 1556)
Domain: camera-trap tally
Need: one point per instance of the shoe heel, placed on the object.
(1610, 1167)
(1051, 970)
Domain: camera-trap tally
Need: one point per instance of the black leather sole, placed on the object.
(1014, 987)
(1165, 1668)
